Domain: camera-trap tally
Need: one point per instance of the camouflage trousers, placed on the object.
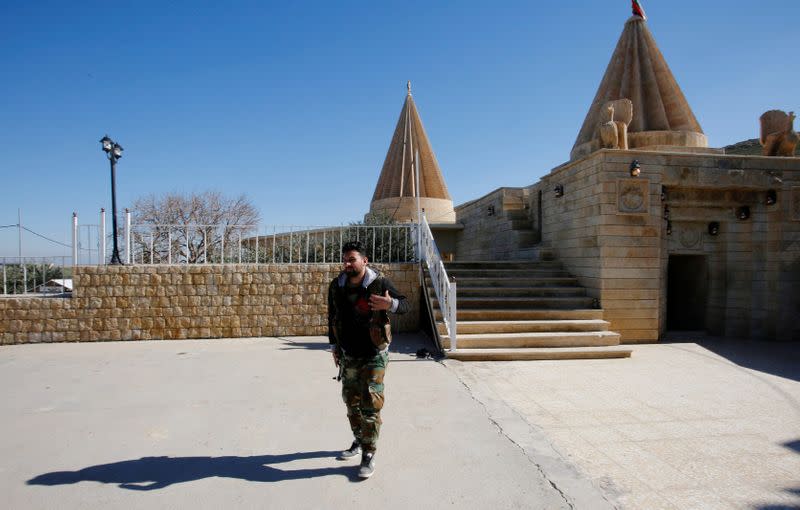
(362, 392)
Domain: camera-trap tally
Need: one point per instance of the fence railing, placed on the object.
(444, 288)
(31, 275)
(229, 244)
(232, 244)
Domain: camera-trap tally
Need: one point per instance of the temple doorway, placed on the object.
(687, 292)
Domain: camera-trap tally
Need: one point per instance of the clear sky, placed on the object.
(294, 103)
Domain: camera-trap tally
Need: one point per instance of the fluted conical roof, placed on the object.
(410, 150)
(639, 72)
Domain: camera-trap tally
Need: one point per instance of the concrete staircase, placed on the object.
(517, 220)
(523, 310)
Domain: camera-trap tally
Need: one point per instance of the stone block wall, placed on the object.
(629, 233)
(489, 236)
(609, 229)
(753, 264)
(198, 301)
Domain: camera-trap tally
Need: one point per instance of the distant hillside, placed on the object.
(745, 148)
(750, 147)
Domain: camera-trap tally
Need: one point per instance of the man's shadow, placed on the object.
(150, 473)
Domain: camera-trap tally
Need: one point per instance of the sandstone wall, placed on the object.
(753, 264)
(197, 301)
(571, 223)
(629, 231)
(609, 229)
(489, 236)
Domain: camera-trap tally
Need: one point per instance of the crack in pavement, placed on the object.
(507, 436)
(462, 378)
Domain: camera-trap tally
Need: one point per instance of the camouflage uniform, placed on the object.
(361, 337)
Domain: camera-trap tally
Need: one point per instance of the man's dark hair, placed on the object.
(354, 246)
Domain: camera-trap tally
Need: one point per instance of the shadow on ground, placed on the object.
(151, 473)
(402, 343)
(776, 358)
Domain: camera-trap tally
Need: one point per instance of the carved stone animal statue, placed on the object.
(613, 133)
(778, 137)
(609, 134)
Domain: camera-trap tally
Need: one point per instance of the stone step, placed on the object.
(531, 326)
(505, 264)
(523, 315)
(543, 281)
(517, 214)
(568, 302)
(536, 252)
(559, 353)
(516, 291)
(506, 273)
(523, 340)
(521, 224)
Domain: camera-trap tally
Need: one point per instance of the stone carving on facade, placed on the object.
(613, 133)
(633, 196)
(778, 137)
(690, 237)
(686, 237)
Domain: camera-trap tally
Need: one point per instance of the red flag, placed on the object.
(637, 9)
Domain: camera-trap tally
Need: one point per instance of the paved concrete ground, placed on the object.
(712, 425)
(255, 423)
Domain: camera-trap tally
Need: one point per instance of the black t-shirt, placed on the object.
(356, 324)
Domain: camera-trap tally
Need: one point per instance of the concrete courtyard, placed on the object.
(256, 423)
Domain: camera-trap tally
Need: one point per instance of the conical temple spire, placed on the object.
(410, 152)
(639, 72)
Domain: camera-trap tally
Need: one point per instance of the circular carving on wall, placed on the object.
(631, 198)
(690, 237)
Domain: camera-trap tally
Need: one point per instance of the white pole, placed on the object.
(127, 236)
(24, 267)
(19, 230)
(453, 317)
(102, 236)
(74, 239)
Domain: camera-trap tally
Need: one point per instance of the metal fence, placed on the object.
(31, 275)
(231, 244)
(248, 244)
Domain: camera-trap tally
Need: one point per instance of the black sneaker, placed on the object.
(351, 452)
(367, 465)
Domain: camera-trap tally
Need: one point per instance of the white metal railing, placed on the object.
(444, 287)
(232, 244)
(30, 275)
(238, 244)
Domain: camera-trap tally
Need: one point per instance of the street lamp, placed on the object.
(114, 151)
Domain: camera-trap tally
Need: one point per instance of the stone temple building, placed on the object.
(662, 232)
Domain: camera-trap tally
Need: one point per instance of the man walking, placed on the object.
(359, 300)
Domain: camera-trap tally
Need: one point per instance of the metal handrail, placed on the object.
(444, 287)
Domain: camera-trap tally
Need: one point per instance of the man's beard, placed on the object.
(351, 272)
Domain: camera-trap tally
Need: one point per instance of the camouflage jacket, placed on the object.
(352, 327)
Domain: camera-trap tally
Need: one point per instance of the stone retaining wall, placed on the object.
(198, 301)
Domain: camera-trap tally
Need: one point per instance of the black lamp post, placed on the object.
(114, 151)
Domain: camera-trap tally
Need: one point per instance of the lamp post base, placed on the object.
(115, 260)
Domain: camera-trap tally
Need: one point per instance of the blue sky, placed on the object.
(294, 103)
